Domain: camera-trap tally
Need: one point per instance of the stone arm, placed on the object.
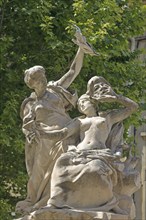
(70, 129)
(73, 72)
(73, 127)
(103, 92)
(120, 114)
(84, 47)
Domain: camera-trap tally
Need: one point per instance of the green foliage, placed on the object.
(39, 32)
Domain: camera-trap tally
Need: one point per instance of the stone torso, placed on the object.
(94, 132)
(48, 110)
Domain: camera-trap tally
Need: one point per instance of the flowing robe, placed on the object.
(38, 114)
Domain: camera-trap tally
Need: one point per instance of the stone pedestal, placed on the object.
(69, 214)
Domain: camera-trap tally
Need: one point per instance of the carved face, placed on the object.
(35, 77)
(86, 107)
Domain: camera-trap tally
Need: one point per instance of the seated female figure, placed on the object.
(86, 175)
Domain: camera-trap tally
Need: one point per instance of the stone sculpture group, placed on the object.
(76, 164)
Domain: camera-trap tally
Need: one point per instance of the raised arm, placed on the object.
(74, 70)
(76, 66)
(101, 91)
(123, 113)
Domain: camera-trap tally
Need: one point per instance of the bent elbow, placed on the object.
(134, 107)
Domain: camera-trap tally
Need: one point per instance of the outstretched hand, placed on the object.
(82, 43)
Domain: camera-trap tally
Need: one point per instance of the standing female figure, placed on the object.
(46, 111)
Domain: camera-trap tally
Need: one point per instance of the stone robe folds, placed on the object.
(96, 179)
(84, 180)
(48, 112)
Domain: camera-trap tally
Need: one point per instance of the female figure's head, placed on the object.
(35, 78)
(97, 91)
(86, 106)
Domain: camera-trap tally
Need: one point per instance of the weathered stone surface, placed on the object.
(67, 214)
(76, 163)
(44, 113)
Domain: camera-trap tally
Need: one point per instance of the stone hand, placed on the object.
(82, 43)
(104, 93)
(33, 136)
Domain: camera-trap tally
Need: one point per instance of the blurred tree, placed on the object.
(39, 32)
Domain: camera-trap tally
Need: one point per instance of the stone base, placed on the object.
(69, 214)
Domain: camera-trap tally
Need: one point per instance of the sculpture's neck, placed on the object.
(40, 92)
